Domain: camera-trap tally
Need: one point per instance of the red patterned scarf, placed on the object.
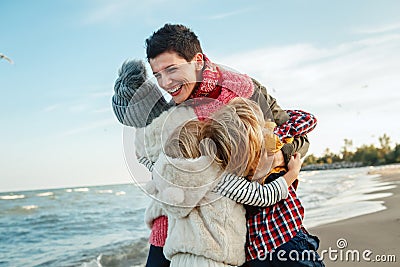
(219, 86)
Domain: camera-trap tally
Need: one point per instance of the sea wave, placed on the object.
(45, 194)
(82, 189)
(30, 207)
(133, 254)
(335, 195)
(12, 197)
(105, 191)
(18, 210)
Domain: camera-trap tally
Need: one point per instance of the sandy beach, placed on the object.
(368, 240)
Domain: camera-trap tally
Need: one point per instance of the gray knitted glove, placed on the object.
(136, 100)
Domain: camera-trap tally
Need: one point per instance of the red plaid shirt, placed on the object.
(300, 123)
(270, 227)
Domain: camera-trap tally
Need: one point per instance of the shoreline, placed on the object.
(378, 232)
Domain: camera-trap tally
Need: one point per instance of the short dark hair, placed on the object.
(173, 38)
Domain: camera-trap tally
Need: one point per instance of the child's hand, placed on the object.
(294, 167)
(295, 163)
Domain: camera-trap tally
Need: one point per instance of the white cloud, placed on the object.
(100, 94)
(380, 29)
(91, 126)
(351, 87)
(78, 108)
(51, 108)
(229, 14)
(119, 10)
(103, 110)
(106, 11)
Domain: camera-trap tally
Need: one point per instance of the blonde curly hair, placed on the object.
(234, 136)
(236, 132)
(185, 140)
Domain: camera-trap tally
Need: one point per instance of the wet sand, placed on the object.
(377, 232)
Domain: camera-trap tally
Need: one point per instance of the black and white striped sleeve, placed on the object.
(243, 191)
(147, 163)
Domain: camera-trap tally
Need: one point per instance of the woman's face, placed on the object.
(175, 75)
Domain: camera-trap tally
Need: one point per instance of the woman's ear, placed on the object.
(199, 61)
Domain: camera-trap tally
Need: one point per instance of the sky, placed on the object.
(336, 59)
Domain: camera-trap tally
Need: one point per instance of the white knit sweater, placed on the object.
(200, 222)
(149, 142)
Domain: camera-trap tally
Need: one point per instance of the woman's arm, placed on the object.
(273, 111)
(136, 100)
(297, 127)
(299, 124)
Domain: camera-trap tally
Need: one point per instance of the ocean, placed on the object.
(103, 225)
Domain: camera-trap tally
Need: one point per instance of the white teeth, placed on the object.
(175, 89)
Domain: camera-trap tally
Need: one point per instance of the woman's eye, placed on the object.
(171, 69)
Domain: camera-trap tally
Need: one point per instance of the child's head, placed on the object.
(234, 136)
(184, 142)
(236, 132)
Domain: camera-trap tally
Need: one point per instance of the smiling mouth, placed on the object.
(174, 91)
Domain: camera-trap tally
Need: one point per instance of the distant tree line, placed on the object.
(365, 155)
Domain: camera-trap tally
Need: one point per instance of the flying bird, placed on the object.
(2, 56)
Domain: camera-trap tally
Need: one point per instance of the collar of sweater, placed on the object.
(182, 172)
(186, 182)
